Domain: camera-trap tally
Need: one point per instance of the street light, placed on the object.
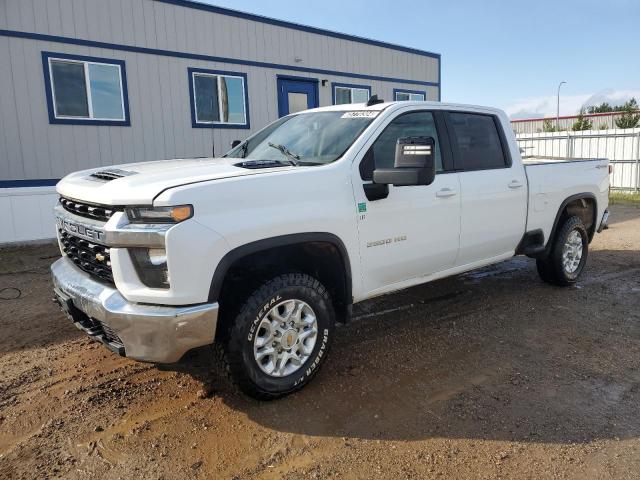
(558, 107)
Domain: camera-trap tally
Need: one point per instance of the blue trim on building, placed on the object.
(346, 85)
(39, 182)
(296, 26)
(440, 80)
(295, 78)
(75, 121)
(194, 123)
(206, 58)
(404, 90)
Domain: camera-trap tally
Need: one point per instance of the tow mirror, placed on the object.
(235, 143)
(414, 163)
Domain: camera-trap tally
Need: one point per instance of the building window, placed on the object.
(344, 93)
(413, 95)
(85, 90)
(218, 99)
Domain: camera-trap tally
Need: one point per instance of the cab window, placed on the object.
(476, 142)
(382, 152)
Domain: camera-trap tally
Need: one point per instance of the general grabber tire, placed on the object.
(568, 254)
(280, 337)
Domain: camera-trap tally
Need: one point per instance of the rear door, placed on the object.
(493, 187)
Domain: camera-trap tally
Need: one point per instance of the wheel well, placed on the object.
(323, 260)
(581, 205)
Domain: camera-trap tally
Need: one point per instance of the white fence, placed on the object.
(621, 147)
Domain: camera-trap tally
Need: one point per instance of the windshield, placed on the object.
(306, 138)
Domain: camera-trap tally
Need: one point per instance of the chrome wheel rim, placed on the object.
(572, 252)
(285, 338)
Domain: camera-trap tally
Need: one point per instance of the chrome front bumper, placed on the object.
(150, 333)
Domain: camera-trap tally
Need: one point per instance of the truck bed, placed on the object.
(553, 180)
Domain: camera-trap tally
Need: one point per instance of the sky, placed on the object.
(500, 53)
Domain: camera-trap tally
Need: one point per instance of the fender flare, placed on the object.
(563, 205)
(280, 241)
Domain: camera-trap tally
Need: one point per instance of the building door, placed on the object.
(296, 94)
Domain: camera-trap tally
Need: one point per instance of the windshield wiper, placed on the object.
(293, 158)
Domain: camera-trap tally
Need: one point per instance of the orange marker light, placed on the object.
(181, 213)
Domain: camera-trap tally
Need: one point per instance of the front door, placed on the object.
(414, 231)
(295, 95)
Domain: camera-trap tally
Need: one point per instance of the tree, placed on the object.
(547, 126)
(629, 118)
(581, 123)
(604, 107)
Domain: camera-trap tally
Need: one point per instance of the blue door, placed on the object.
(296, 94)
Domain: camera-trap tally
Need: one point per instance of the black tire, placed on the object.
(545, 271)
(552, 269)
(238, 344)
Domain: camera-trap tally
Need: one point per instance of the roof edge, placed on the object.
(296, 26)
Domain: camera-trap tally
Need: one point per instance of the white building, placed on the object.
(86, 83)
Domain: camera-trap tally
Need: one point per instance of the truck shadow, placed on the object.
(493, 354)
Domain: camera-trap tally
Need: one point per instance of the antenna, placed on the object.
(374, 100)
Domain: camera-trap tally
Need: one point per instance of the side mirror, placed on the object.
(414, 163)
(235, 143)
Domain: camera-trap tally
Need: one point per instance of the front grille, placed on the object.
(87, 210)
(91, 257)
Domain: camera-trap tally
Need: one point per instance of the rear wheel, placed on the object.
(280, 336)
(568, 254)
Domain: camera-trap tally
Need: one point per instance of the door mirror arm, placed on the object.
(375, 191)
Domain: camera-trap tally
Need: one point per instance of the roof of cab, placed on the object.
(406, 103)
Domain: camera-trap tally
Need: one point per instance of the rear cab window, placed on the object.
(477, 142)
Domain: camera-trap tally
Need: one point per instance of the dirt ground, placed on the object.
(491, 374)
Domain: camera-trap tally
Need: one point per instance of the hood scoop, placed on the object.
(109, 174)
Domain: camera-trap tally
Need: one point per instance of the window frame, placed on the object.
(396, 91)
(453, 141)
(350, 86)
(47, 57)
(192, 72)
(443, 140)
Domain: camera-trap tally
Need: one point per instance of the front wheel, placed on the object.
(568, 254)
(280, 337)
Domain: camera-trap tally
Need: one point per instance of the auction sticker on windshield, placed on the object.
(361, 114)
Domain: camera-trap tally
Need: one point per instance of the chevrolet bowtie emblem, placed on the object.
(100, 257)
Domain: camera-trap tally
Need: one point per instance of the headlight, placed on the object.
(151, 265)
(159, 214)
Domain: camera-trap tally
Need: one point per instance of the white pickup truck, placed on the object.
(260, 252)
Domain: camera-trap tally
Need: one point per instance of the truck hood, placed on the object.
(140, 183)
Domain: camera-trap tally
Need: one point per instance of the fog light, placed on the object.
(151, 266)
(157, 256)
